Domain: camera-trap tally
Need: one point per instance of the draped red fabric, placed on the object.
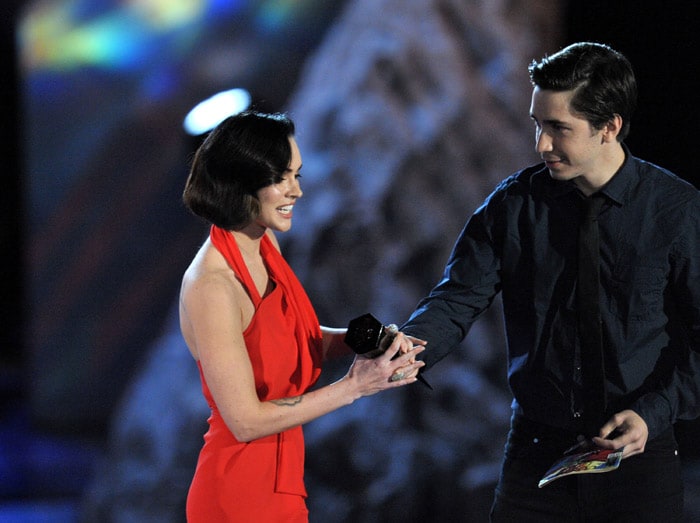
(262, 479)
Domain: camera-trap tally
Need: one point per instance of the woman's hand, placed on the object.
(410, 346)
(395, 368)
(411, 343)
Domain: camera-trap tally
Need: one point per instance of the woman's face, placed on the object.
(277, 200)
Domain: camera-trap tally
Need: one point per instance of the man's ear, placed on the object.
(612, 129)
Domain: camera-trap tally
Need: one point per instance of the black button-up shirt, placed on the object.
(522, 242)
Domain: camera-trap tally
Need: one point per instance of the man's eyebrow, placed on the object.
(550, 121)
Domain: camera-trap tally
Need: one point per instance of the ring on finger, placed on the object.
(397, 376)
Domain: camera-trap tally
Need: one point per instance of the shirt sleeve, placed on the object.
(678, 396)
(468, 286)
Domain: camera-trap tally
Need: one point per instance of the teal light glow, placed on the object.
(274, 14)
(124, 36)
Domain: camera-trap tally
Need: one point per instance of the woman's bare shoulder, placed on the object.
(208, 273)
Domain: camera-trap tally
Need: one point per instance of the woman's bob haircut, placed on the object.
(240, 156)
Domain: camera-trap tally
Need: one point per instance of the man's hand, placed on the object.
(625, 429)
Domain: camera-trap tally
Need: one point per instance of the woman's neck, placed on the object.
(248, 241)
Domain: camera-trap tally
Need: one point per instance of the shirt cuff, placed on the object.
(655, 411)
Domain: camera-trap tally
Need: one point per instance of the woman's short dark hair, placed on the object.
(602, 78)
(243, 154)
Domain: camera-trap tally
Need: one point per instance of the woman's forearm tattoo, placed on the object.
(288, 402)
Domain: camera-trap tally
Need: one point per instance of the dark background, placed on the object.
(662, 47)
(11, 199)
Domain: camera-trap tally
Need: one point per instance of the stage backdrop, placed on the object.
(409, 112)
(105, 88)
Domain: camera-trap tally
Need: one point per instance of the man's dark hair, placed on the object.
(602, 79)
(243, 154)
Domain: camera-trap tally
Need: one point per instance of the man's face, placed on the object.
(569, 146)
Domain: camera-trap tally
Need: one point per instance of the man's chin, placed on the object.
(557, 174)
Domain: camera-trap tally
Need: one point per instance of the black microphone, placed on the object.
(368, 337)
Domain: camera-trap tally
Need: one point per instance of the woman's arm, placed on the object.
(334, 343)
(211, 311)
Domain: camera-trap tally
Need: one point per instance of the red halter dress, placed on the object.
(263, 480)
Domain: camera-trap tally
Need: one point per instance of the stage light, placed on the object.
(208, 113)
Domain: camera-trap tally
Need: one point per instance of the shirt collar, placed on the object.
(620, 184)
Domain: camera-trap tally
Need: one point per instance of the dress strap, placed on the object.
(226, 244)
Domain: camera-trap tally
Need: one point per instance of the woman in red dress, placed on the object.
(253, 332)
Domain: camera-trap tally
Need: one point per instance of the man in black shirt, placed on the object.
(628, 374)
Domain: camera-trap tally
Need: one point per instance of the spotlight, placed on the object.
(208, 113)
